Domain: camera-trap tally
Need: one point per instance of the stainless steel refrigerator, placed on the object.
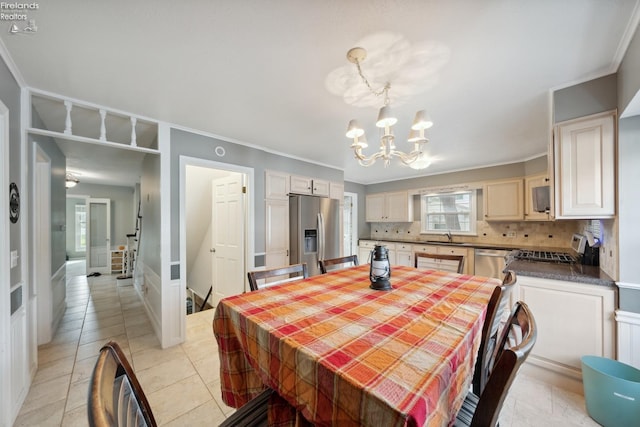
(314, 231)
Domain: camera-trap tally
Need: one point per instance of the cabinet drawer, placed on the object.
(369, 244)
(427, 249)
(452, 250)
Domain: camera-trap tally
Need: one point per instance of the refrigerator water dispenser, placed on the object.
(310, 241)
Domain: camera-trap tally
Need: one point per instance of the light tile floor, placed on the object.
(182, 382)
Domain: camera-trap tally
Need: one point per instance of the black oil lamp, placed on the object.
(380, 270)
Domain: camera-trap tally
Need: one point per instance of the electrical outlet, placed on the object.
(511, 234)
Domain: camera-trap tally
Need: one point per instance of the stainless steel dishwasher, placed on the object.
(490, 262)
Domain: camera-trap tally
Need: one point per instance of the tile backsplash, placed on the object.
(556, 234)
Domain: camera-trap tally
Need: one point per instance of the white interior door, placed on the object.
(98, 236)
(227, 228)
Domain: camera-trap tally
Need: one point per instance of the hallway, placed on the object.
(180, 382)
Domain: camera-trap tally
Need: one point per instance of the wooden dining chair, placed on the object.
(445, 262)
(282, 274)
(516, 342)
(497, 308)
(337, 263)
(115, 395)
(251, 414)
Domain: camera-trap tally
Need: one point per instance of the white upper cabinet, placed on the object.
(320, 187)
(584, 151)
(389, 207)
(336, 191)
(306, 185)
(276, 185)
(531, 182)
(504, 200)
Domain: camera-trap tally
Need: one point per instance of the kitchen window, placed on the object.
(453, 212)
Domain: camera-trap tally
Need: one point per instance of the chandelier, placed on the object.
(417, 159)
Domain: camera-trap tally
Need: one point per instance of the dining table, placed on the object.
(340, 353)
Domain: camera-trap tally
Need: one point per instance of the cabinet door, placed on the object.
(336, 191)
(364, 250)
(503, 200)
(573, 319)
(320, 187)
(397, 207)
(276, 185)
(530, 182)
(277, 233)
(374, 208)
(363, 255)
(404, 258)
(300, 184)
(585, 152)
(392, 252)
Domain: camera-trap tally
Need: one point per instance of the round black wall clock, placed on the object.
(14, 202)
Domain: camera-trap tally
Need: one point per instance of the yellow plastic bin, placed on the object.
(611, 391)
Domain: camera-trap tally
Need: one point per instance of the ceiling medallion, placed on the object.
(416, 158)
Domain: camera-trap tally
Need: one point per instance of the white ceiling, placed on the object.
(263, 72)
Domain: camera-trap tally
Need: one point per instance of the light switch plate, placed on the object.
(14, 259)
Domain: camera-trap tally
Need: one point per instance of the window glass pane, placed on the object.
(453, 212)
(81, 228)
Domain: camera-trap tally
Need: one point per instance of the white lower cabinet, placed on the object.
(364, 250)
(404, 254)
(573, 320)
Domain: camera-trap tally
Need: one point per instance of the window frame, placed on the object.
(473, 212)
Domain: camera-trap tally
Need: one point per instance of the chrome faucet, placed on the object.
(449, 236)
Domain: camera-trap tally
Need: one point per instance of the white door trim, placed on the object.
(249, 217)
(354, 225)
(41, 287)
(5, 275)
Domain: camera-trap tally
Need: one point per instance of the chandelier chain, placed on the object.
(384, 91)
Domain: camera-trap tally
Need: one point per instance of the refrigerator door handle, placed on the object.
(320, 237)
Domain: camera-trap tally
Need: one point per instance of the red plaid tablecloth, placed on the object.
(344, 354)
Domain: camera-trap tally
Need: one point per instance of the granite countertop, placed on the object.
(558, 271)
(470, 244)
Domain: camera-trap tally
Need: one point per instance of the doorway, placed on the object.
(216, 229)
(98, 236)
